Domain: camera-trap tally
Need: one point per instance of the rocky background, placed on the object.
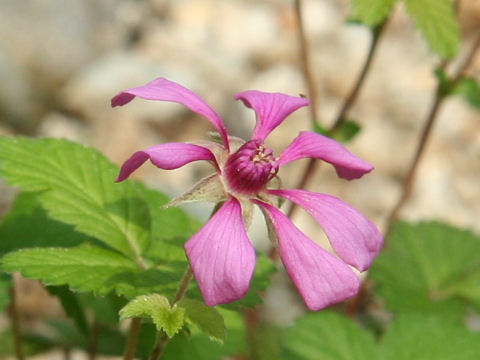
(62, 61)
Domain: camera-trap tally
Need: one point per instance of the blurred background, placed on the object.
(62, 61)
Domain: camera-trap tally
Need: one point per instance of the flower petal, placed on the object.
(221, 256)
(270, 108)
(313, 145)
(354, 238)
(320, 278)
(166, 90)
(166, 156)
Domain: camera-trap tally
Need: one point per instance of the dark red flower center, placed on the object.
(250, 168)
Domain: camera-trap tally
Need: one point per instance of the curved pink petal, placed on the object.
(166, 156)
(221, 256)
(270, 108)
(320, 278)
(166, 90)
(313, 145)
(355, 239)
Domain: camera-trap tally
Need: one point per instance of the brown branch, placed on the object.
(440, 96)
(304, 55)
(15, 319)
(354, 92)
(132, 339)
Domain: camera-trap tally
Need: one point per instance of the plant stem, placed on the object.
(440, 96)
(163, 339)
(348, 103)
(304, 55)
(352, 96)
(132, 339)
(15, 323)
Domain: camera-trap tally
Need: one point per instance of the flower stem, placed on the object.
(440, 96)
(348, 103)
(163, 338)
(304, 55)
(15, 323)
(132, 339)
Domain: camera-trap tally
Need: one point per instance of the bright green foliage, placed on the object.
(5, 284)
(428, 338)
(208, 319)
(84, 268)
(27, 225)
(198, 346)
(469, 89)
(76, 185)
(328, 336)
(436, 20)
(157, 308)
(427, 268)
(371, 12)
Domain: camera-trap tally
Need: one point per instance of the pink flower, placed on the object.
(220, 254)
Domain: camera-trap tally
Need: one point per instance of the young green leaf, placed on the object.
(208, 319)
(157, 308)
(83, 268)
(423, 266)
(428, 338)
(436, 20)
(328, 336)
(170, 320)
(469, 89)
(76, 185)
(371, 12)
(142, 306)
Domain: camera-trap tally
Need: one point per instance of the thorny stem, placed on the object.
(432, 115)
(15, 323)
(304, 55)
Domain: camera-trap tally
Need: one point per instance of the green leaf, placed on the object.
(71, 306)
(143, 306)
(436, 20)
(171, 320)
(469, 89)
(328, 336)
(422, 268)
(83, 268)
(76, 185)
(5, 285)
(208, 319)
(371, 12)
(27, 225)
(347, 131)
(157, 308)
(428, 338)
(199, 346)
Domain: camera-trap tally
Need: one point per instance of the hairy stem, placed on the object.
(132, 339)
(304, 55)
(15, 319)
